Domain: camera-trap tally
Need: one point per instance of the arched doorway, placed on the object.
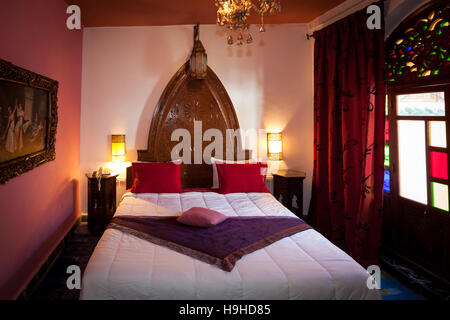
(417, 219)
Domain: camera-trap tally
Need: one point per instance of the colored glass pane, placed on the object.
(386, 156)
(421, 104)
(386, 106)
(417, 52)
(437, 134)
(438, 165)
(386, 130)
(412, 160)
(439, 195)
(387, 181)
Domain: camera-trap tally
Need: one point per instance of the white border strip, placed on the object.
(344, 9)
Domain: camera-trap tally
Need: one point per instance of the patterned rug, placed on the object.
(418, 281)
(392, 289)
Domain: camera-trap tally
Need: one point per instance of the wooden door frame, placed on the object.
(392, 199)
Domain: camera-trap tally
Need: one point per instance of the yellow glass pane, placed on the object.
(437, 134)
(439, 194)
(412, 160)
(386, 106)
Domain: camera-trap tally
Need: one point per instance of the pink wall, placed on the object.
(39, 207)
(125, 70)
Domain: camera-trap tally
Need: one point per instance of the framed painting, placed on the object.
(28, 120)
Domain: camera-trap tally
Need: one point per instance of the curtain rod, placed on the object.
(309, 36)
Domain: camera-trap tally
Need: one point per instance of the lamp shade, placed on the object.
(118, 147)
(274, 146)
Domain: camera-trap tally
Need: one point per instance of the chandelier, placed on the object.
(233, 15)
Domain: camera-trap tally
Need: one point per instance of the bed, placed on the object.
(302, 266)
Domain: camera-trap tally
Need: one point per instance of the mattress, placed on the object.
(303, 266)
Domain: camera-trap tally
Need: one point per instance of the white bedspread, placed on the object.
(303, 266)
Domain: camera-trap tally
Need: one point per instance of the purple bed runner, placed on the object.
(221, 245)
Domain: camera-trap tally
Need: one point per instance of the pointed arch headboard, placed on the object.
(184, 100)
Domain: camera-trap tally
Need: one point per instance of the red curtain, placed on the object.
(349, 106)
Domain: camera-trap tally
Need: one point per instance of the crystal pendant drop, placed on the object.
(262, 29)
(230, 40)
(249, 38)
(240, 38)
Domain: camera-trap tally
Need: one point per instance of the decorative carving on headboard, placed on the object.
(183, 101)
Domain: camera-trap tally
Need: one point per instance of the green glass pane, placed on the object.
(439, 195)
(386, 156)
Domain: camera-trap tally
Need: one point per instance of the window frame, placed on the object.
(392, 93)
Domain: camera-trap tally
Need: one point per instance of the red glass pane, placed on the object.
(438, 164)
(386, 131)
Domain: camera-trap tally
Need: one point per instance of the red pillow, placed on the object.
(201, 217)
(240, 178)
(214, 161)
(264, 168)
(156, 177)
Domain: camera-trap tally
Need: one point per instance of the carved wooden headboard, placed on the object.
(184, 100)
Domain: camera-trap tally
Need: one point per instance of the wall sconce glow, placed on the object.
(118, 147)
(274, 146)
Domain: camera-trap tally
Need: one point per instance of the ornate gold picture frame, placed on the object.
(28, 120)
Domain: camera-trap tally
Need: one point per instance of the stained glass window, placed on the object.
(437, 134)
(438, 165)
(416, 133)
(387, 181)
(386, 156)
(421, 104)
(412, 160)
(422, 50)
(439, 195)
(386, 131)
(387, 174)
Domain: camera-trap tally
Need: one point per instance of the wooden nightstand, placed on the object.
(288, 183)
(101, 203)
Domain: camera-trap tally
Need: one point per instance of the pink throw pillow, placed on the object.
(201, 217)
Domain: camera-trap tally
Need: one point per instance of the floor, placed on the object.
(414, 278)
(77, 252)
(81, 245)
(392, 289)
